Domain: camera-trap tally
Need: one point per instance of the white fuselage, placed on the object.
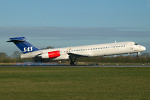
(92, 50)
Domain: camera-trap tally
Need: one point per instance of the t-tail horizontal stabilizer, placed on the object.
(23, 45)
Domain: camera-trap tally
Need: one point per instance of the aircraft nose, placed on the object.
(143, 48)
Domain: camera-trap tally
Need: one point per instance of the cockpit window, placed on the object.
(136, 44)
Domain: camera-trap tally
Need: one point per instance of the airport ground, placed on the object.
(74, 83)
(78, 64)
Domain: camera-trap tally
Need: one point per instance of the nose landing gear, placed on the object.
(138, 54)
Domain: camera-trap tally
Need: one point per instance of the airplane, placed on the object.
(72, 53)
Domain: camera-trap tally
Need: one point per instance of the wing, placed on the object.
(74, 56)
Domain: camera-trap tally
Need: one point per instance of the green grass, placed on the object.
(75, 83)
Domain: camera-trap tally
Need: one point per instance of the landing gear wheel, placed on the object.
(73, 60)
(72, 63)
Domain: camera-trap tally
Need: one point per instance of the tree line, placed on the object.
(118, 59)
(143, 58)
(14, 58)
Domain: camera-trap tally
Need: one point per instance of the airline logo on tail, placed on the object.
(28, 49)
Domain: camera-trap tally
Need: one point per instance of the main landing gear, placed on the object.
(73, 61)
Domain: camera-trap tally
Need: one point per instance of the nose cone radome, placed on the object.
(143, 48)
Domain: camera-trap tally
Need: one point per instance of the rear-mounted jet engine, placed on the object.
(52, 54)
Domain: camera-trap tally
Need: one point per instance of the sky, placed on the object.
(61, 23)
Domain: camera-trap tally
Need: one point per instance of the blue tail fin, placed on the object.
(23, 45)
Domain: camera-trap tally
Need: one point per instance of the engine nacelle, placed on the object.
(52, 54)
